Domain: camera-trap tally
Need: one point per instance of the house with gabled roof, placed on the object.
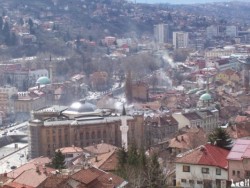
(239, 161)
(204, 166)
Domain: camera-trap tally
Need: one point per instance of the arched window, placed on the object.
(104, 134)
(81, 136)
(99, 134)
(93, 135)
(87, 135)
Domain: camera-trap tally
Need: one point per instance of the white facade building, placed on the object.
(232, 31)
(212, 31)
(180, 40)
(35, 74)
(6, 100)
(162, 33)
(200, 168)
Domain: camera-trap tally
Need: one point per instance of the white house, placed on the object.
(205, 166)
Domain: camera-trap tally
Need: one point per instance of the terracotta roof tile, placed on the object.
(189, 140)
(55, 181)
(86, 176)
(16, 185)
(100, 148)
(106, 162)
(28, 166)
(71, 150)
(208, 154)
(31, 178)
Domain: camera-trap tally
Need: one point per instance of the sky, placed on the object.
(182, 1)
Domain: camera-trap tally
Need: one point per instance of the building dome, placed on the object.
(82, 106)
(205, 97)
(43, 80)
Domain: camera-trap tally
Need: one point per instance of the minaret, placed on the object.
(124, 129)
(50, 70)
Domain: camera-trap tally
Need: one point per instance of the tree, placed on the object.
(140, 170)
(154, 175)
(220, 138)
(58, 160)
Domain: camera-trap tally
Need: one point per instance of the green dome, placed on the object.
(43, 80)
(205, 97)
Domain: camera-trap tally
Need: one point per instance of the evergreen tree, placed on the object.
(122, 157)
(128, 87)
(220, 138)
(58, 160)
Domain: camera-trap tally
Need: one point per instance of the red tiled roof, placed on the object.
(55, 181)
(31, 178)
(39, 162)
(86, 176)
(16, 185)
(208, 154)
(106, 161)
(188, 140)
(240, 119)
(72, 149)
(100, 148)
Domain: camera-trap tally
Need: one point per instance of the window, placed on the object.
(93, 135)
(191, 181)
(218, 171)
(247, 174)
(199, 182)
(238, 173)
(205, 170)
(81, 136)
(186, 168)
(183, 180)
(233, 172)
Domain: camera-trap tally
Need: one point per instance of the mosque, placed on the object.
(81, 124)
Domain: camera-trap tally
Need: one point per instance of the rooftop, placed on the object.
(205, 97)
(100, 148)
(72, 149)
(192, 116)
(208, 154)
(240, 150)
(43, 80)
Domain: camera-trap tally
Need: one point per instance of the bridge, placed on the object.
(17, 135)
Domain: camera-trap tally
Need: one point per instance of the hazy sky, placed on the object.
(183, 1)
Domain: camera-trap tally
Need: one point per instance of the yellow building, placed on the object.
(28, 101)
(228, 75)
(6, 99)
(80, 125)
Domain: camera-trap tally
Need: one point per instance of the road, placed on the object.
(13, 128)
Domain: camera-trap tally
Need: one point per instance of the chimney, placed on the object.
(110, 180)
(177, 139)
(182, 138)
(37, 169)
(96, 159)
(44, 170)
